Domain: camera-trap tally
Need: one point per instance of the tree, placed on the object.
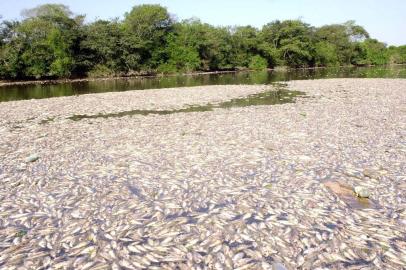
(42, 44)
(10, 51)
(244, 45)
(397, 55)
(182, 50)
(51, 42)
(355, 32)
(344, 38)
(7, 31)
(146, 28)
(375, 52)
(219, 48)
(214, 45)
(101, 50)
(257, 63)
(292, 40)
(326, 54)
(50, 11)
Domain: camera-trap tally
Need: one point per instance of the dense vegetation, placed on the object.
(51, 42)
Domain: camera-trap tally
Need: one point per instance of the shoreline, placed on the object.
(5, 83)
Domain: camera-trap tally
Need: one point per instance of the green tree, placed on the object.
(219, 49)
(146, 28)
(292, 40)
(182, 50)
(355, 32)
(10, 51)
(50, 41)
(101, 50)
(397, 55)
(214, 45)
(345, 39)
(326, 54)
(257, 63)
(50, 11)
(244, 45)
(376, 52)
(42, 44)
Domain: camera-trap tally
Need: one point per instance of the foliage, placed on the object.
(41, 45)
(292, 40)
(244, 45)
(376, 52)
(182, 55)
(344, 38)
(397, 55)
(101, 71)
(48, 11)
(10, 64)
(145, 32)
(51, 42)
(258, 63)
(213, 45)
(101, 48)
(326, 54)
(371, 52)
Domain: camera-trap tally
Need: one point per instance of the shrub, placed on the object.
(167, 68)
(100, 71)
(258, 63)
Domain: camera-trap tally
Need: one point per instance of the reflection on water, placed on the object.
(19, 92)
(266, 98)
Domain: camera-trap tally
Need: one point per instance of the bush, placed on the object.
(326, 54)
(258, 63)
(61, 67)
(100, 71)
(167, 68)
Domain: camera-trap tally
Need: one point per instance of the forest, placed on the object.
(51, 42)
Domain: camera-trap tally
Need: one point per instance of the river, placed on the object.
(37, 91)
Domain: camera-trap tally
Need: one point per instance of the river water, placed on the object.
(36, 91)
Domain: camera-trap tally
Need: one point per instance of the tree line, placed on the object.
(52, 42)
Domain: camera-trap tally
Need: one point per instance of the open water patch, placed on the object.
(273, 97)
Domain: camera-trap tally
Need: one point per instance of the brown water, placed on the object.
(36, 91)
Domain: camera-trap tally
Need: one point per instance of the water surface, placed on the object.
(36, 91)
(281, 96)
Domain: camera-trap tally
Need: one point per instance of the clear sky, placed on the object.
(383, 19)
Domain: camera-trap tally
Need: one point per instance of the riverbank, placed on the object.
(255, 187)
(89, 79)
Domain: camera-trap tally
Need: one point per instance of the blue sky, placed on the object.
(383, 19)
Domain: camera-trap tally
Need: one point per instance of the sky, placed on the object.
(385, 20)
